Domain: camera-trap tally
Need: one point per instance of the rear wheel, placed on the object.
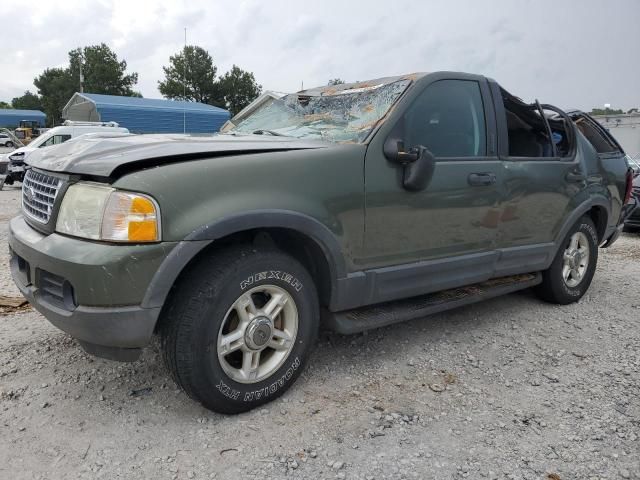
(239, 328)
(9, 144)
(572, 270)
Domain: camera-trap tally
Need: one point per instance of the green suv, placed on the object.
(348, 207)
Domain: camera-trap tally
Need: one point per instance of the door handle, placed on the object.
(481, 179)
(575, 177)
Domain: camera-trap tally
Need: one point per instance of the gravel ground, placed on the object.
(511, 388)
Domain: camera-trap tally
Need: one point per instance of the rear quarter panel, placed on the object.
(606, 177)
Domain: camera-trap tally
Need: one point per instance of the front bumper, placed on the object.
(93, 291)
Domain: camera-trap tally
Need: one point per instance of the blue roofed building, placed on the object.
(146, 115)
(11, 118)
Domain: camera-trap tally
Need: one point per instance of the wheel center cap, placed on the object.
(576, 258)
(258, 333)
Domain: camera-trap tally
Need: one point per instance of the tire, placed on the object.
(555, 286)
(206, 309)
(8, 144)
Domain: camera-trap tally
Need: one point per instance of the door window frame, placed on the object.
(398, 129)
(503, 131)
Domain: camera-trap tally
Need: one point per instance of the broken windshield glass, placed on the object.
(338, 116)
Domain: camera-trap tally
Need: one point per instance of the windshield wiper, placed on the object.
(270, 132)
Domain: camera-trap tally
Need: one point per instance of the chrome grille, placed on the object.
(39, 192)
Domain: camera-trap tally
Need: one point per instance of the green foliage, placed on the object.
(55, 86)
(5, 105)
(28, 101)
(336, 81)
(606, 111)
(102, 71)
(197, 82)
(238, 89)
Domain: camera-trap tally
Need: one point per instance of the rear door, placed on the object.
(542, 174)
(443, 235)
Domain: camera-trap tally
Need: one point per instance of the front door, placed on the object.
(443, 235)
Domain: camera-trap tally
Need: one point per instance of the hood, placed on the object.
(110, 156)
(24, 150)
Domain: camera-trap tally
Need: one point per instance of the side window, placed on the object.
(532, 135)
(448, 119)
(60, 139)
(55, 140)
(599, 141)
(48, 142)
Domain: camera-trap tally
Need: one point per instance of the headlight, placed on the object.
(97, 212)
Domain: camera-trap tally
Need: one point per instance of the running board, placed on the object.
(383, 314)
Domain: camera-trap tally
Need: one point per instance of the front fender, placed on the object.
(202, 237)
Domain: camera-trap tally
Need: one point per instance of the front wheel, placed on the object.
(239, 328)
(9, 144)
(569, 276)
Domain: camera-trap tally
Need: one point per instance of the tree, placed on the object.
(102, 71)
(28, 101)
(196, 82)
(55, 86)
(336, 81)
(4, 105)
(606, 111)
(238, 89)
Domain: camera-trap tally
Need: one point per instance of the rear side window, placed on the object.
(448, 119)
(599, 140)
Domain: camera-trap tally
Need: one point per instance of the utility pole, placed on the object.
(81, 76)
(184, 84)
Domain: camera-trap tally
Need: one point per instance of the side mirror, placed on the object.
(395, 152)
(418, 164)
(418, 174)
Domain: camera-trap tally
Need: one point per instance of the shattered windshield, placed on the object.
(337, 116)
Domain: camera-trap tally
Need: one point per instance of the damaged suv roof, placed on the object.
(355, 87)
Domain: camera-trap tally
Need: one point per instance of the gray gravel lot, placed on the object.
(511, 388)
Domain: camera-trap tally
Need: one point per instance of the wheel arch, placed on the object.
(302, 236)
(597, 208)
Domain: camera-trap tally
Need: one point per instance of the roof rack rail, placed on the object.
(76, 123)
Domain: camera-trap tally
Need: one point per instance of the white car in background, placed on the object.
(5, 140)
(54, 136)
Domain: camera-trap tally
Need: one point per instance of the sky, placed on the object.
(571, 53)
